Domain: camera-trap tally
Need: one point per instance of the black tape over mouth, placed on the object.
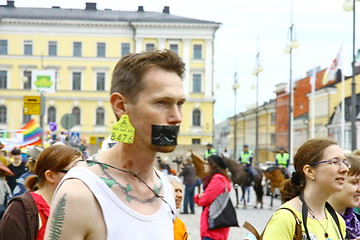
(164, 135)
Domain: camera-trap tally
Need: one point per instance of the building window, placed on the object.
(174, 48)
(273, 118)
(76, 81)
(196, 83)
(197, 51)
(52, 48)
(196, 141)
(125, 49)
(2, 114)
(100, 81)
(28, 47)
(27, 79)
(77, 49)
(3, 79)
(150, 46)
(100, 116)
(76, 113)
(101, 49)
(272, 138)
(51, 114)
(3, 47)
(26, 118)
(196, 117)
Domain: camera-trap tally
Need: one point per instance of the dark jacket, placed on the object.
(189, 174)
(20, 220)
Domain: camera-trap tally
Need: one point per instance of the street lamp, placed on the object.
(235, 87)
(291, 44)
(258, 69)
(349, 5)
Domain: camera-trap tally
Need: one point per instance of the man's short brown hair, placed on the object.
(129, 71)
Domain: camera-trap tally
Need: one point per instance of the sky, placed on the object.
(249, 27)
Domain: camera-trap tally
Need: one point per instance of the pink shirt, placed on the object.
(215, 187)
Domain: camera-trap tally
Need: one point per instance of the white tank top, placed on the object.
(123, 223)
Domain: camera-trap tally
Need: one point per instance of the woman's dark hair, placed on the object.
(217, 165)
(55, 158)
(309, 152)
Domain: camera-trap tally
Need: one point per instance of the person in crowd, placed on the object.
(189, 174)
(5, 192)
(320, 171)
(225, 153)
(33, 153)
(282, 160)
(121, 186)
(210, 150)
(26, 216)
(356, 153)
(17, 167)
(3, 157)
(245, 159)
(344, 201)
(180, 232)
(219, 183)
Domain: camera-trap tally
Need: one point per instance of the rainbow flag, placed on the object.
(31, 131)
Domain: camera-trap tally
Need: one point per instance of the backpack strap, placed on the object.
(298, 231)
(251, 229)
(334, 216)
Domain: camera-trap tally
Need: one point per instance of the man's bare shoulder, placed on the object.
(71, 206)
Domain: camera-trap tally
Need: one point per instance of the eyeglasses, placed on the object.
(63, 171)
(334, 162)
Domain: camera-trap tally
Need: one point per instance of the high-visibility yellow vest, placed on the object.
(282, 159)
(245, 157)
(209, 153)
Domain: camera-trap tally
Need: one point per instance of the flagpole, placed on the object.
(342, 111)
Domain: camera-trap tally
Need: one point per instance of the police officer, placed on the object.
(245, 159)
(282, 160)
(209, 151)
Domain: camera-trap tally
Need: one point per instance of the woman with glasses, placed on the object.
(27, 214)
(320, 171)
(345, 200)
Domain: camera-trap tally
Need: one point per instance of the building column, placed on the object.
(209, 68)
(186, 59)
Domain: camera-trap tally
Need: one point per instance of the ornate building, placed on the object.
(82, 46)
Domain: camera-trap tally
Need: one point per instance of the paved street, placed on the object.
(257, 217)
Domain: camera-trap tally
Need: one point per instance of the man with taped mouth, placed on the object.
(118, 193)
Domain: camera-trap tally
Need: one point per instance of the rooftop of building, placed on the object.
(91, 13)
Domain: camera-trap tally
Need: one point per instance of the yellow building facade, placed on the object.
(82, 46)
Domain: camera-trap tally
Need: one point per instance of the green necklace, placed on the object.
(110, 182)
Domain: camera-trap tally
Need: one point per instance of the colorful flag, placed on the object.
(31, 132)
(331, 71)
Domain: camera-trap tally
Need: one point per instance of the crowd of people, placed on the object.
(126, 191)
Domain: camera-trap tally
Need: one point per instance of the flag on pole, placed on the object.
(331, 71)
(31, 133)
(357, 59)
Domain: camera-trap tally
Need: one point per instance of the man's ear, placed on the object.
(118, 102)
(50, 176)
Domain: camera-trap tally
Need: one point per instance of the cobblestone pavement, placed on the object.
(257, 217)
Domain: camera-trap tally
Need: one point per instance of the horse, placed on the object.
(276, 177)
(198, 163)
(240, 177)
